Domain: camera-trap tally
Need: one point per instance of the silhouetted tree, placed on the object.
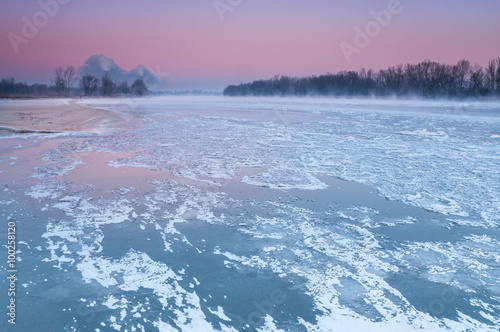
(108, 87)
(70, 77)
(123, 87)
(477, 81)
(139, 87)
(463, 73)
(89, 84)
(497, 75)
(8, 86)
(64, 80)
(491, 73)
(59, 82)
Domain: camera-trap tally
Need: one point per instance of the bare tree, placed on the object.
(477, 80)
(123, 87)
(108, 87)
(70, 77)
(497, 80)
(59, 83)
(139, 87)
(89, 84)
(491, 72)
(463, 71)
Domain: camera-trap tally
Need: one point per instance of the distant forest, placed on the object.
(425, 79)
(63, 85)
(9, 87)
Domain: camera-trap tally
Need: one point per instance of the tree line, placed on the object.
(425, 79)
(9, 87)
(107, 87)
(64, 85)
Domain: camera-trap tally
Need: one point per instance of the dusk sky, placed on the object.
(196, 47)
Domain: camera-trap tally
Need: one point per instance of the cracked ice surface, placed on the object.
(268, 215)
(432, 161)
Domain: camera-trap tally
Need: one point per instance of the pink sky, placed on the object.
(257, 39)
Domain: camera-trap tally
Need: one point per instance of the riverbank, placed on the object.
(52, 115)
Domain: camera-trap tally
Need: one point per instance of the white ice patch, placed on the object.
(139, 271)
(269, 325)
(46, 189)
(294, 179)
(220, 313)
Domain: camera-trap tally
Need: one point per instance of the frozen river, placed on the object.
(221, 214)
